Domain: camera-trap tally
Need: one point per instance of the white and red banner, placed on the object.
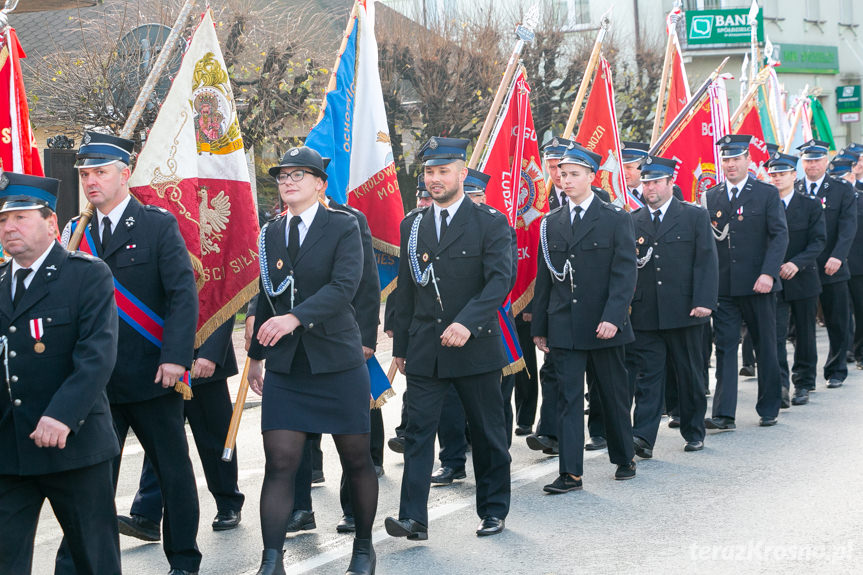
(18, 151)
(750, 124)
(598, 133)
(678, 83)
(513, 156)
(194, 165)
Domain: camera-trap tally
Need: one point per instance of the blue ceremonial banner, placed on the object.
(331, 137)
(381, 387)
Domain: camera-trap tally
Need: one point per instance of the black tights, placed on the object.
(284, 450)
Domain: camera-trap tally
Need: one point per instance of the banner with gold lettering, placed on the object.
(194, 166)
(598, 133)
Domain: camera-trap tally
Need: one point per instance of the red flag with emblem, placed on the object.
(194, 166)
(514, 143)
(598, 133)
(750, 124)
(18, 151)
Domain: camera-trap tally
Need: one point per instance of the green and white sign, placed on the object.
(721, 26)
(808, 59)
(848, 98)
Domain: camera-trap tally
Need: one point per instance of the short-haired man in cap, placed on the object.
(585, 279)
(800, 283)
(840, 216)
(633, 154)
(751, 237)
(454, 272)
(59, 326)
(674, 297)
(148, 258)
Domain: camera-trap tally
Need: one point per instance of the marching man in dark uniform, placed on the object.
(148, 258)
(840, 216)
(209, 415)
(59, 339)
(453, 275)
(800, 283)
(633, 154)
(751, 237)
(585, 279)
(674, 297)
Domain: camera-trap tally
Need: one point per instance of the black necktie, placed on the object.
(656, 219)
(576, 219)
(443, 226)
(734, 192)
(635, 194)
(294, 238)
(20, 288)
(106, 233)
(813, 189)
(562, 198)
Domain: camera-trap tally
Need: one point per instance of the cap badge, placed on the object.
(727, 139)
(555, 142)
(294, 152)
(648, 161)
(433, 144)
(87, 138)
(4, 181)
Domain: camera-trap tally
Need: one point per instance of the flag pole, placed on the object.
(663, 87)
(693, 104)
(754, 84)
(798, 116)
(525, 36)
(332, 83)
(138, 107)
(234, 427)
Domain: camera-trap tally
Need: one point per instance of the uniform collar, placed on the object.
(808, 183)
(583, 205)
(451, 209)
(662, 209)
(34, 266)
(115, 214)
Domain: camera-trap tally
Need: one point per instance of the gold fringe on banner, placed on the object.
(514, 367)
(379, 402)
(228, 311)
(385, 293)
(382, 246)
(521, 303)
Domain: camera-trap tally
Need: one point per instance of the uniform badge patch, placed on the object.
(279, 264)
(640, 240)
(425, 257)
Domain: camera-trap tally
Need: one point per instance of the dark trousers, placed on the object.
(595, 417)
(403, 423)
(612, 386)
(451, 432)
(480, 395)
(311, 449)
(834, 304)
(748, 349)
(759, 313)
(526, 383)
(507, 386)
(158, 424)
(209, 416)
(83, 502)
(805, 364)
(657, 353)
(548, 381)
(855, 288)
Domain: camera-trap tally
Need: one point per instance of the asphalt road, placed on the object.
(757, 500)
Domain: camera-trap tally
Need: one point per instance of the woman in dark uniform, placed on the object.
(316, 380)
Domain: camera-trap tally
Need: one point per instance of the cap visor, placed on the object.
(95, 162)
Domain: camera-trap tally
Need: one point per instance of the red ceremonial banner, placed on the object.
(598, 133)
(751, 125)
(691, 144)
(18, 151)
(514, 143)
(678, 88)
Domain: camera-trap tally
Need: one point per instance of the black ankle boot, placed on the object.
(363, 559)
(272, 562)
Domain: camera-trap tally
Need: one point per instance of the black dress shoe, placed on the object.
(693, 446)
(625, 471)
(184, 572)
(346, 524)
(767, 422)
(642, 448)
(834, 383)
(396, 444)
(272, 562)
(563, 484)
(540, 442)
(363, 559)
(849, 357)
(445, 475)
(226, 520)
(317, 476)
(786, 399)
(406, 528)
(674, 423)
(720, 423)
(139, 528)
(595, 444)
(489, 526)
(801, 396)
(301, 521)
(523, 430)
(747, 371)
(379, 470)
(860, 365)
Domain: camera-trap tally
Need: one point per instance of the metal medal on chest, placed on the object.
(279, 264)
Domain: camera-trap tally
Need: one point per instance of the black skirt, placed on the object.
(335, 403)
